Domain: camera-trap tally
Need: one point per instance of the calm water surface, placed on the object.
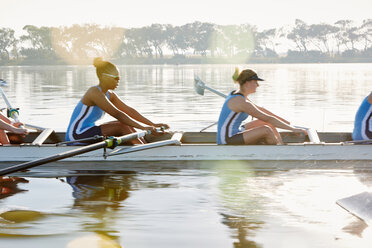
(230, 204)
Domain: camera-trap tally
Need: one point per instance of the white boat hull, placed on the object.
(197, 150)
(200, 152)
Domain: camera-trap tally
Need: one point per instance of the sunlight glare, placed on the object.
(80, 44)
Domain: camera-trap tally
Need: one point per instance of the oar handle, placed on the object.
(13, 113)
(112, 142)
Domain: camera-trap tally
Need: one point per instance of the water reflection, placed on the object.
(245, 229)
(9, 186)
(243, 207)
(294, 206)
(99, 198)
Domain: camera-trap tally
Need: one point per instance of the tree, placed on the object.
(156, 35)
(321, 36)
(8, 43)
(246, 40)
(267, 42)
(105, 41)
(300, 35)
(347, 34)
(365, 32)
(71, 43)
(226, 39)
(39, 43)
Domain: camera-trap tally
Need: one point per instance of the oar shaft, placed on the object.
(211, 125)
(14, 114)
(5, 98)
(215, 91)
(52, 158)
(106, 143)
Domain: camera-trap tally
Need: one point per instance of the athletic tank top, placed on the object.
(229, 121)
(84, 117)
(363, 121)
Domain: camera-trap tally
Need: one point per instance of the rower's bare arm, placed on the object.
(115, 99)
(99, 99)
(11, 128)
(270, 113)
(238, 104)
(4, 118)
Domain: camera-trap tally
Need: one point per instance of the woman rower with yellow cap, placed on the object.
(101, 99)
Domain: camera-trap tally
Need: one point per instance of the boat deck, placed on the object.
(200, 137)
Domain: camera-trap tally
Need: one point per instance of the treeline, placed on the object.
(197, 42)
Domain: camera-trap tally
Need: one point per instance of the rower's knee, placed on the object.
(269, 135)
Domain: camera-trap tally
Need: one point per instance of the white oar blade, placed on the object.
(359, 205)
(3, 83)
(198, 86)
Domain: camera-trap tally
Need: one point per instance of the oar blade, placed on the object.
(3, 82)
(359, 205)
(199, 85)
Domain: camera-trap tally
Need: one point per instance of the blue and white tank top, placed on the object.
(229, 121)
(363, 121)
(84, 117)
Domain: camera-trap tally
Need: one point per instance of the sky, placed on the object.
(138, 13)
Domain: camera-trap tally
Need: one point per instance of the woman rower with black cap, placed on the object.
(238, 107)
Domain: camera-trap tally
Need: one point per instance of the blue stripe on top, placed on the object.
(363, 121)
(84, 117)
(229, 121)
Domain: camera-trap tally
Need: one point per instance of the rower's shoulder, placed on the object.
(94, 90)
(91, 95)
(238, 103)
(238, 98)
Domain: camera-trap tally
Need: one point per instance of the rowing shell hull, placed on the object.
(201, 152)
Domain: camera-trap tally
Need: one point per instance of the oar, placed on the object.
(174, 140)
(110, 142)
(199, 87)
(12, 112)
(359, 205)
(3, 83)
(368, 141)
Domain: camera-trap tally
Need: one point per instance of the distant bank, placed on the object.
(192, 43)
(197, 60)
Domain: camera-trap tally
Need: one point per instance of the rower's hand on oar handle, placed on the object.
(18, 124)
(152, 130)
(157, 129)
(162, 126)
(20, 130)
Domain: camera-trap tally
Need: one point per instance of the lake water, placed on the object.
(229, 205)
